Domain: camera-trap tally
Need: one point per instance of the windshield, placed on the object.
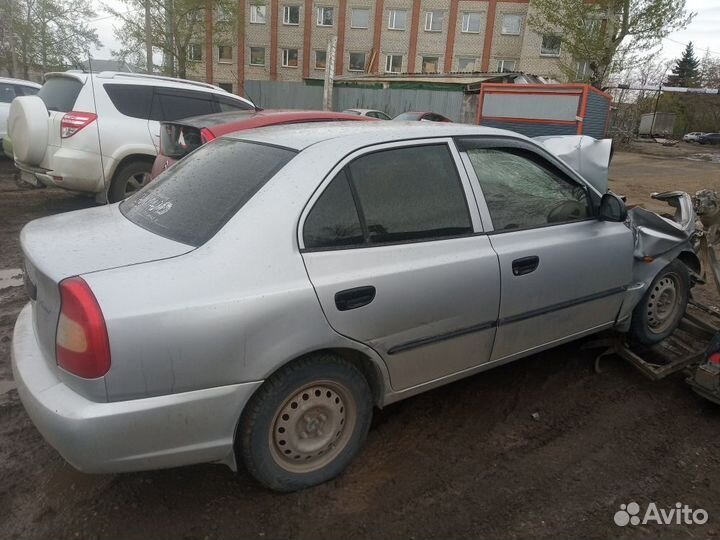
(60, 93)
(191, 201)
(408, 116)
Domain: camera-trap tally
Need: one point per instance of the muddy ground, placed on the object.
(542, 448)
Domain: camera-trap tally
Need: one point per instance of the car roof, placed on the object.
(364, 110)
(20, 82)
(362, 133)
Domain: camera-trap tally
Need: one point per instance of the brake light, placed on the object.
(81, 345)
(715, 358)
(206, 135)
(73, 122)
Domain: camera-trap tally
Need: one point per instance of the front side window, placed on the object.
(393, 63)
(430, 64)
(324, 16)
(357, 61)
(173, 105)
(471, 22)
(511, 24)
(522, 191)
(290, 58)
(434, 21)
(258, 14)
(397, 19)
(320, 59)
(225, 53)
(291, 15)
(194, 53)
(333, 221)
(550, 45)
(360, 18)
(192, 201)
(257, 56)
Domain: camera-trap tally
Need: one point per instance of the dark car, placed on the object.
(418, 116)
(180, 137)
(709, 138)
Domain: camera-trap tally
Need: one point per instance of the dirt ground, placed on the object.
(542, 448)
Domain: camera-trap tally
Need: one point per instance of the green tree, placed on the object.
(710, 70)
(686, 71)
(607, 34)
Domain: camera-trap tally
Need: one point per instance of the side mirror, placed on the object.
(612, 208)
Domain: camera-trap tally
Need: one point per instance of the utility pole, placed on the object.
(148, 39)
(329, 73)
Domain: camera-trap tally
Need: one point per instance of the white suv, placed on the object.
(99, 133)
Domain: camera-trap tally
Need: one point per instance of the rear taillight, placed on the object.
(81, 345)
(74, 121)
(714, 358)
(206, 135)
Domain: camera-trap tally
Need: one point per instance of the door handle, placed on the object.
(525, 265)
(354, 298)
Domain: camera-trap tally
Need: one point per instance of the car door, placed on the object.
(563, 272)
(398, 261)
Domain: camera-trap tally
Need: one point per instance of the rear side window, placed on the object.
(232, 105)
(131, 99)
(173, 105)
(60, 93)
(333, 222)
(26, 90)
(191, 201)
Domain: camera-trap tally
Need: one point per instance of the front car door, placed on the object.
(399, 262)
(563, 272)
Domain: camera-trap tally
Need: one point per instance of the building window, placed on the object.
(550, 45)
(320, 59)
(225, 53)
(466, 64)
(257, 56)
(357, 61)
(434, 21)
(324, 16)
(291, 15)
(194, 52)
(471, 23)
(430, 64)
(505, 66)
(582, 70)
(511, 25)
(359, 18)
(290, 58)
(393, 63)
(397, 19)
(258, 14)
(227, 86)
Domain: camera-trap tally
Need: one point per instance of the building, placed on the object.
(286, 40)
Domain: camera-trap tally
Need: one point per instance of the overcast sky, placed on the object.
(704, 31)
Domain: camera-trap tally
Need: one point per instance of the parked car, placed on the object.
(59, 133)
(709, 138)
(9, 90)
(372, 113)
(258, 300)
(693, 136)
(421, 116)
(178, 139)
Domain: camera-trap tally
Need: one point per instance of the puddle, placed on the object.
(11, 277)
(712, 158)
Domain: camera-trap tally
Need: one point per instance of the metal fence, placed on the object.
(296, 95)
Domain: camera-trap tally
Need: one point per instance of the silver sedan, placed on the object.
(260, 298)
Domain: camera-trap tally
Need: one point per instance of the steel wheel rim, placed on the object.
(136, 181)
(312, 426)
(663, 303)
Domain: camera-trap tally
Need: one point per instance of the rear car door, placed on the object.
(563, 272)
(399, 262)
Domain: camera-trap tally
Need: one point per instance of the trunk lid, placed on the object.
(77, 243)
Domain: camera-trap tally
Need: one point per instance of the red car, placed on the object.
(180, 137)
(422, 116)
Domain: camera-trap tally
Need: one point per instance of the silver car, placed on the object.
(257, 301)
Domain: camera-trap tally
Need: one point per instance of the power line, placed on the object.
(714, 53)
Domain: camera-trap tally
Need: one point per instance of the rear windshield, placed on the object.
(177, 141)
(191, 201)
(60, 93)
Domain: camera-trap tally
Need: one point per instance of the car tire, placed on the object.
(128, 179)
(662, 306)
(305, 423)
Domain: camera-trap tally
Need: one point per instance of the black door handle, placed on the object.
(354, 298)
(523, 266)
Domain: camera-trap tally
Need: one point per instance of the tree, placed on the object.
(686, 71)
(710, 70)
(607, 34)
(45, 35)
(175, 25)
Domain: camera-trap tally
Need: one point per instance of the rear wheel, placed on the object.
(663, 305)
(128, 179)
(306, 423)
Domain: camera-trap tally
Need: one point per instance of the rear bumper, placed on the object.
(71, 169)
(150, 433)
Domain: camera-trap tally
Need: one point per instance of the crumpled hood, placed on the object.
(655, 234)
(588, 156)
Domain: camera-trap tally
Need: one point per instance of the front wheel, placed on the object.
(663, 305)
(306, 423)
